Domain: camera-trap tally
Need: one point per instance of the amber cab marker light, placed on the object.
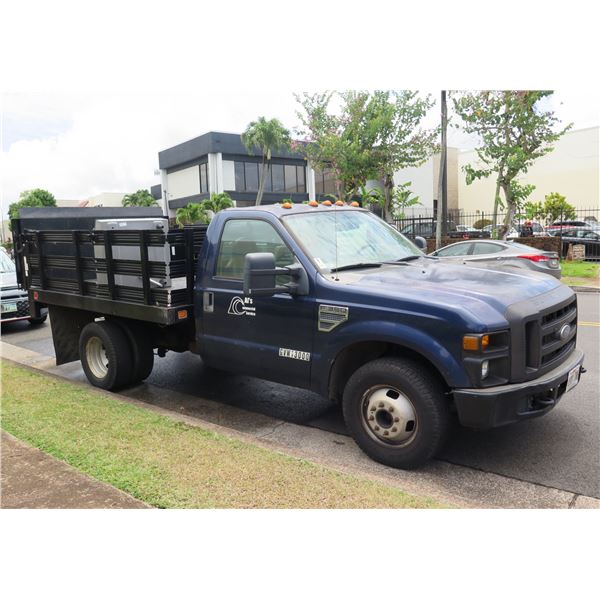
(355, 204)
(313, 203)
(326, 203)
(182, 314)
(339, 203)
(286, 205)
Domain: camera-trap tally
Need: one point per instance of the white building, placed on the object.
(571, 169)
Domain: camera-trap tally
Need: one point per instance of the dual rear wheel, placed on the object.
(115, 354)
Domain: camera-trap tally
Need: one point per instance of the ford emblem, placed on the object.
(564, 332)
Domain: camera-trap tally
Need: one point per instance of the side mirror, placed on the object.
(260, 276)
(420, 242)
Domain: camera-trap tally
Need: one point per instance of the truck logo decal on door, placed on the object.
(242, 306)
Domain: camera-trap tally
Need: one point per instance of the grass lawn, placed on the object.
(169, 464)
(570, 268)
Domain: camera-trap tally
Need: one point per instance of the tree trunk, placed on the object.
(495, 215)
(388, 191)
(510, 212)
(261, 184)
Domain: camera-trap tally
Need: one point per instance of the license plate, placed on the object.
(573, 379)
(8, 307)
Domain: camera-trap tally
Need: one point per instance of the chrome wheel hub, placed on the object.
(389, 415)
(96, 357)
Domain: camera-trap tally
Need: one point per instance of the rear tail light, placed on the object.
(535, 257)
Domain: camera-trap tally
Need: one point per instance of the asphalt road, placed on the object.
(560, 450)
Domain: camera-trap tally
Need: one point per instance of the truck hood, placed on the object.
(448, 284)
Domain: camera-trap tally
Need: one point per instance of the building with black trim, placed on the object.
(219, 162)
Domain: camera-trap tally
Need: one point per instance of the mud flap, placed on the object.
(67, 324)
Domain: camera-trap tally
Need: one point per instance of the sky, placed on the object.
(79, 145)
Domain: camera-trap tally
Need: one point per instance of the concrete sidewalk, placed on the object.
(32, 479)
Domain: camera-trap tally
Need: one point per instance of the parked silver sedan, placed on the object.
(499, 253)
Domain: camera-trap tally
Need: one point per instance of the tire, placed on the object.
(106, 355)
(38, 321)
(401, 397)
(141, 349)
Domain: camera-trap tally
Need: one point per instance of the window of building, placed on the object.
(240, 179)
(325, 181)
(301, 178)
(243, 236)
(291, 178)
(278, 178)
(251, 172)
(281, 178)
(268, 184)
(204, 178)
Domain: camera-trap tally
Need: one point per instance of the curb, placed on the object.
(581, 288)
(447, 483)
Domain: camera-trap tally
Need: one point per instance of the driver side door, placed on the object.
(267, 337)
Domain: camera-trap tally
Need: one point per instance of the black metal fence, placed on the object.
(478, 221)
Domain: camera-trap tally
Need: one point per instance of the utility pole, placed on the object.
(442, 205)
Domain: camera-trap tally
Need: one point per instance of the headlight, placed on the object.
(485, 369)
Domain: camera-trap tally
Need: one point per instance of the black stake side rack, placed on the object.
(59, 266)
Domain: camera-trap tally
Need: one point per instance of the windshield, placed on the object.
(361, 238)
(6, 265)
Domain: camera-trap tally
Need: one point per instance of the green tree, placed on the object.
(401, 141)
(370, 136)
(402, 198)
(341, 140)
(533, 210)
(140, 198)
(266, 136)
(218, 202)
(557, 208)
(520, 193)
(191, 214)
(31, 198)
(514, 130)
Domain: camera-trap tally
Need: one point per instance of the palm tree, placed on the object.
(139, 198)
(218, 202)
(267, 136)
(190, 214)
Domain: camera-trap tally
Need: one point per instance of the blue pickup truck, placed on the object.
(326, 298)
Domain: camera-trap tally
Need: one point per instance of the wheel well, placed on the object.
(355, 356)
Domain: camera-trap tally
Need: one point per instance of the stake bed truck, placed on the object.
(326, 298)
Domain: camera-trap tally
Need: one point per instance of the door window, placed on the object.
(454, 250)
(244, 236)
(486, 248)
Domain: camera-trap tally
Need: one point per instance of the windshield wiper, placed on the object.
(355, 266)
(406, 258)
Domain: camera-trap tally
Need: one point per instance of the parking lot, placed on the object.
(560, 450)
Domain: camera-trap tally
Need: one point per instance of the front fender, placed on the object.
(333, 343)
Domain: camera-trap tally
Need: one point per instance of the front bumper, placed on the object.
(491, 407)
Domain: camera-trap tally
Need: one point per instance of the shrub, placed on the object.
(481, 223)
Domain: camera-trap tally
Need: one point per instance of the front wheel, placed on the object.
(396, 412)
